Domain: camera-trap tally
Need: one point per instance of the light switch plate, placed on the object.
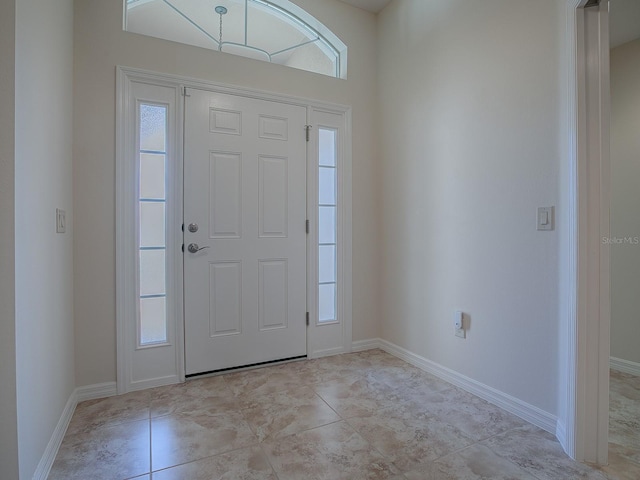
(545, 218)
(458, 324)
(61, 221)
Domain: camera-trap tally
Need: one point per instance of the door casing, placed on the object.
(124, 300)
(584, 397)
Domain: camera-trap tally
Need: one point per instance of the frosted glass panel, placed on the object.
(152, 224)
(327, 225)
(153, 127)
(152, 171)
(152, 272)
(327, 302)
(327, 140)
(327, 186)
(153, 320)
(327, 263)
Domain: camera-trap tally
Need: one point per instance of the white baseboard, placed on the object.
(625, 366)
(50, 452)
(524, 410)
(362, 345)
(327, 352)
(80, 394)
(99, 390)
(561, 434)
(153, 383)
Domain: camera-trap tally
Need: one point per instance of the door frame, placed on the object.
(125, 301)
(584, 395)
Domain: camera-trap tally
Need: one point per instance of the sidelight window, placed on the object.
(152, 245)
(327, 226)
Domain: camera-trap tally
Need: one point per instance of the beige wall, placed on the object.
(8, 406)
(100, 45)
(470, 109)
(625, 201)
(44, 262)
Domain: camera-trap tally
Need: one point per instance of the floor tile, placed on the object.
(474, 463)
(472, 415)
(355, 396)
(331, 452)
(246, 464)
(207, 395)
(621, 466)
(285, 413)
(291, 417)
(408, 377)
(113, 452)
(409, 439)
(539, 453)
(183, 438)
(263, 381)
(109, 411)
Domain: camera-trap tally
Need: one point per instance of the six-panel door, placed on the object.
(245, 201)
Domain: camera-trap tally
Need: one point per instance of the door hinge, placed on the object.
(183, 248)
(307, 319)
(307, 129)
(184, 92)
(306, 226)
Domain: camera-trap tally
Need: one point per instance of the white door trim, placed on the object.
(129, 376)
(584, 428)
(124, 218)
(332, 338)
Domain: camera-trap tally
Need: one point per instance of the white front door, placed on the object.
(245, 209)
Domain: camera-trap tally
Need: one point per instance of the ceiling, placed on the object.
(372, 5)
(624, 21)
(625, 17)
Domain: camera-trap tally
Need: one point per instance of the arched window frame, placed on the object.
(326, 40)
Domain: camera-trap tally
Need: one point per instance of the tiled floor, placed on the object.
(360, 416)
(624, 426)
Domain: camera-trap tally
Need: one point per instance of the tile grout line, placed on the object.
(203, 458)
(269, 461)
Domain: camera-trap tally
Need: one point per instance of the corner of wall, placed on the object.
(8, 399)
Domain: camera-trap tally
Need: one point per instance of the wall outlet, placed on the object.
(61, 221)
(458, 324)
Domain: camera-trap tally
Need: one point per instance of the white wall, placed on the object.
(625, 206)
(8, 407)
(44, 263)
(100, 45)
(470, 108)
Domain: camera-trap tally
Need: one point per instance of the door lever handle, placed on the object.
(194, 248)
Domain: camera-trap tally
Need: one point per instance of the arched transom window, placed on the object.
(275, 31)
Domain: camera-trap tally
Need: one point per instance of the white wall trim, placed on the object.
(586, 363)
(130, 89)
(569, 362)
(50, 452)
(124, 297)
(363, 345)
(80, 394)
(327, 352)
(561, 432)
(98, 390)
(330, 338)
(524, 410)
(625, 366)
